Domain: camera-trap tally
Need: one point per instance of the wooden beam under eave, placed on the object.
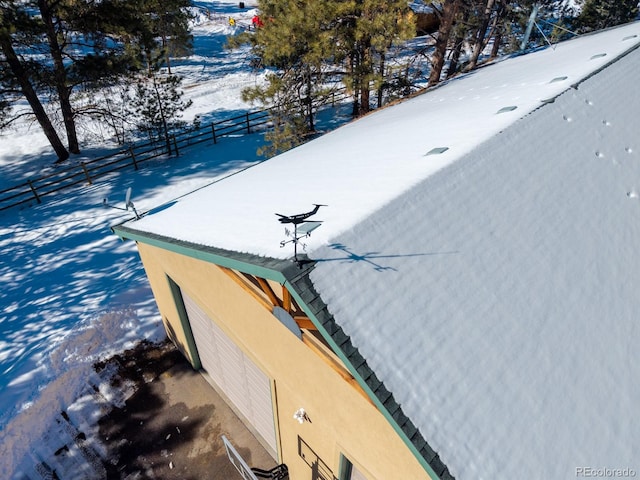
(266, 288)
(304, 322)
(336, 367)
(294, 305)
(248, 287)
(286, 299)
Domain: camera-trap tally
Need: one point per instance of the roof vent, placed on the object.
(510, 108)
(598, 55)
(559, 79)
(629, 37)
(436, 151)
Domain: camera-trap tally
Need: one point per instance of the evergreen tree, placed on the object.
(296, 43)
(599, 14)
(84, 44)
(460, 34)
(311, 46)
(489, 16)
(369, 28)
(468, 27)
(54, 29)
(171, 25)
(158, 105)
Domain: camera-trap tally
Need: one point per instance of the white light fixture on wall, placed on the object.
(300, 415)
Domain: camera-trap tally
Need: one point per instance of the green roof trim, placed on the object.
(263, 267)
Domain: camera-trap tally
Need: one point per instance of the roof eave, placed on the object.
(264, 267)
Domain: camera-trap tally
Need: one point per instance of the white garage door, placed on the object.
(357, 474)
(235, 374)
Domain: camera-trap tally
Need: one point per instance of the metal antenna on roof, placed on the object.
(530, 24)
(302, 228)
(127, 204)
(533, 23)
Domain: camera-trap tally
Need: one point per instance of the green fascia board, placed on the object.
(263, 267)
(284, 272)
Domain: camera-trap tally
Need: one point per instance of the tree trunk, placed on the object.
(165, 127)
(480, 36)
(380, 88)
(364, 98)
(167, 57)
(354, 66)
(458, 43)
(455, 57)
(309, 102)
(27, 90)
(60, 76)
(498, 29)
(363, 76)
(497, 40)
(449, 10)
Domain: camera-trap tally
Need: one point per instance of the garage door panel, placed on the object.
(357, 475)
(204, 339)
(263, 415)
(232, 364)
(246, 386)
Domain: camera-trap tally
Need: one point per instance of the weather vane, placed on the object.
(302, 228)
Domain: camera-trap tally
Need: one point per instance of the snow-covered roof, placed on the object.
(362, 166)
(491, 287)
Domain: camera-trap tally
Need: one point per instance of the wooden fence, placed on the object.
(88, 172)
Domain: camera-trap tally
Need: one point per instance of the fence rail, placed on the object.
(135, 156)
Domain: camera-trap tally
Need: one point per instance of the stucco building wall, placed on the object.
(341, 420)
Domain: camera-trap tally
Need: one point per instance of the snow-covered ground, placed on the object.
(72, 292)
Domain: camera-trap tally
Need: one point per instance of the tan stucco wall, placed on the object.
(342, 420)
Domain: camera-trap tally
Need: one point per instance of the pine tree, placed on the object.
(599, 14)
(172, 27)
(296, 42)
(55, 34)
(369, 28)
(489, 14)
(468, 27)
(158, 105)
(117, 34)
(311, 46)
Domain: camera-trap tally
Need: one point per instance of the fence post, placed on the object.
(175, 146)
(86, 173)
(248, 124)
(35, 194)
(213, 130)
(133, 157)
(167, 143)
